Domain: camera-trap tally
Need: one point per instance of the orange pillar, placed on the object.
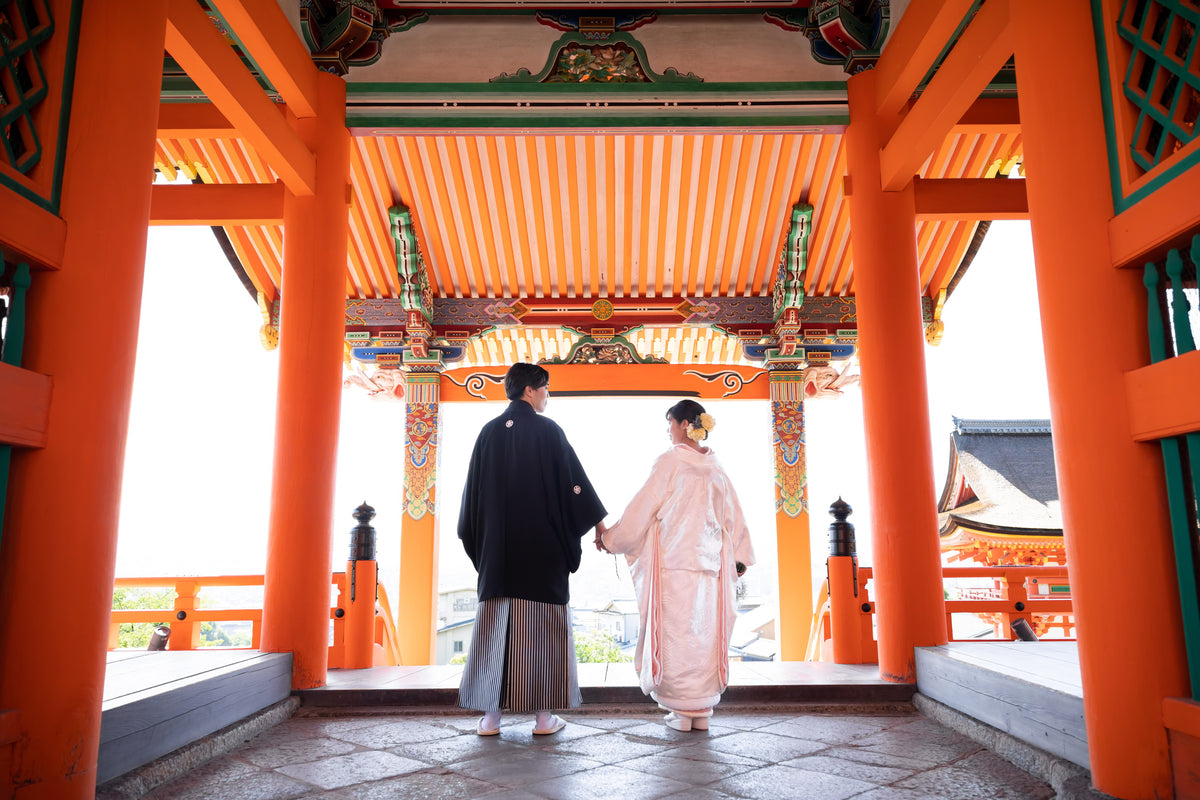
(907, 563)
(791, 513)
(419, 532)
(1113, 492)
(60, 532)
(311, 333)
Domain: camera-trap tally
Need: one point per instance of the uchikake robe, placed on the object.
(682, 535)
(526, 504)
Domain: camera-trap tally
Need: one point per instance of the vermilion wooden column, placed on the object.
(1113, 492)
(791, 513)
(908, 573)
(60, 535)
(311, 332)
(419, 530)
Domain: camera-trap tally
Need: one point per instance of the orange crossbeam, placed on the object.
(217, 204)
(32, 231)
(264, 31)
(970, 199)
(211, 63)
(990, 115)
(918, 40)
(1162, 398)
(192, 121)
(25, 398)
(979, 54)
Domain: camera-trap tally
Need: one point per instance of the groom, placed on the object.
(526, 504)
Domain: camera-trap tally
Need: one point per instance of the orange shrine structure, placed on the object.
(727, 202)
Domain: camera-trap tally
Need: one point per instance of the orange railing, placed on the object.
(186, 617)
(1039, 595)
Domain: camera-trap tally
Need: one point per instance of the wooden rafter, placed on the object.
(914, 46)
(196, 45)
(264, 31)
(976, 58)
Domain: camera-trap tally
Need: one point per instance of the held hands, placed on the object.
(600, 529)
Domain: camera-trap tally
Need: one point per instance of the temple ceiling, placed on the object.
(592, 167)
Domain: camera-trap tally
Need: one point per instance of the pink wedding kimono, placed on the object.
(682, 534)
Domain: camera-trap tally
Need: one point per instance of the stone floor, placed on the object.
(344, 755)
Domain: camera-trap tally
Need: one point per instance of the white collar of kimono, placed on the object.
(692, 453)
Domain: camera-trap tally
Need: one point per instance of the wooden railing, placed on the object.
(185, 616)
(1039, 595)
(1016, 594)
(1173, 351)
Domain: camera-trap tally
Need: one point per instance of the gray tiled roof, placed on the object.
(1009, 465)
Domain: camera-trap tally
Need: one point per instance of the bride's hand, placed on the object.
(598, 541)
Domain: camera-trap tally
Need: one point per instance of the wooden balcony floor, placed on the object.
(1030, 690)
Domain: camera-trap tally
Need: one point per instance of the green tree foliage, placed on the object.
(137, 635)
(598, 647)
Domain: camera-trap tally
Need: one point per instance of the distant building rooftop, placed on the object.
(1000, 501)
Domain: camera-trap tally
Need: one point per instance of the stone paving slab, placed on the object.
(319, 754)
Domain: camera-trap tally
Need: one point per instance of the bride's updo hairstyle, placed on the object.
(691, 412)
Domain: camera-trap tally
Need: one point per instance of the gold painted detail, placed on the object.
(602, 310)
(935, 329)
(613, 350)
(268, 332)
(575, 59)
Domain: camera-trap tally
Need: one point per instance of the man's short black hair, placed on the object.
(520, 375)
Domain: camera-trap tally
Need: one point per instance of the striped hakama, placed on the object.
(522, 658)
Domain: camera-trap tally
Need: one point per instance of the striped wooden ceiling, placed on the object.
(564, 216)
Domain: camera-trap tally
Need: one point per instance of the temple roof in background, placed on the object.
(1000, 490)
